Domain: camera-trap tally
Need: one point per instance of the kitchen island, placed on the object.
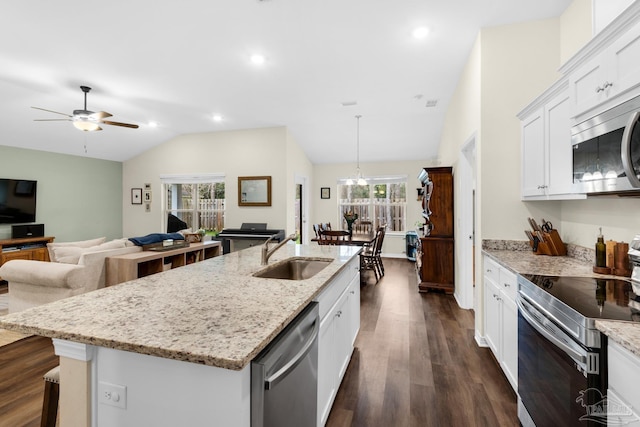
(176, 346)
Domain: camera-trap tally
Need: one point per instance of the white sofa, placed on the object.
(75, 268)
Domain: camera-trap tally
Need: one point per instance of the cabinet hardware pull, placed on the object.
(506, 285)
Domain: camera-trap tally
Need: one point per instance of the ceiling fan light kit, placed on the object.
(86, 120)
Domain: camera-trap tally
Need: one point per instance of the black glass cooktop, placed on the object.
(609, 299)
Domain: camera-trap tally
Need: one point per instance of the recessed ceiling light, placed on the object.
(217, 118)
(420, 33)
(257, 59)
(153, 124)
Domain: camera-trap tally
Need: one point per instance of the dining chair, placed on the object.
(333, 237)
(378, 248)
(369, 259)
(321, 226)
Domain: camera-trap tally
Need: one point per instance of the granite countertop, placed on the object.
(521, 260)
(212, 312)
(627, 334)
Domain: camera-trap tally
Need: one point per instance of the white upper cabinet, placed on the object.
(546, 147)
(606, 71)
(608, 74)
(533, 154)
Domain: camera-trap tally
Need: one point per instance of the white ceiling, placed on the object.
(178, 63)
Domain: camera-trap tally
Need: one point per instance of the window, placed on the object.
(382, 201)
(197, 200)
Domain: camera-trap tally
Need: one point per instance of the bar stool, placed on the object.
(51, 396)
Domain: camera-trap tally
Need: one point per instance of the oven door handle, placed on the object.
(548, 334)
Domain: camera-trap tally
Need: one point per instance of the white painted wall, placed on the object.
(298, 168)
(326, 210)
(575, 27)
(605, 11)
(257, 152)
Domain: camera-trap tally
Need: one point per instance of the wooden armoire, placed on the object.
(435, 257)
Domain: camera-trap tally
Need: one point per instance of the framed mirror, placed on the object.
(254, 191)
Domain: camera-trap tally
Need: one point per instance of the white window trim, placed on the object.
(185, 179)
(372, 180)
(384, 179)
(191, 179)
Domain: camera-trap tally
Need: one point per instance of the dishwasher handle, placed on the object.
(578, 356)
(274, 379)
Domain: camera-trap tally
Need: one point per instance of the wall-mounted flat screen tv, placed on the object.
(17, 201)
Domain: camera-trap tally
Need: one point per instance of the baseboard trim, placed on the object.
(480, 340)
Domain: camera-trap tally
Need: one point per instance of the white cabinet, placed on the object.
(339, 326)
(622, 395)
(608, 74)
(533, 154)
(501, 317)
(546, 147)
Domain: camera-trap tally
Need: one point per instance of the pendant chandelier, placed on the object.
(358, 179)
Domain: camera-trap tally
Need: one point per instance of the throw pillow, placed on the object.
(79, 244)
(67, 254)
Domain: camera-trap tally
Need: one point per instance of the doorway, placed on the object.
(298, 206)
(301, 207)
(465, 245)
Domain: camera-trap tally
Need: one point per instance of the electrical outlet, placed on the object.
(112, 394)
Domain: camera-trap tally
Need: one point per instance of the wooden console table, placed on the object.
(30, 248)
(123, 268)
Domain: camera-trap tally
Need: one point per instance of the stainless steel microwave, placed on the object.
(606, 151)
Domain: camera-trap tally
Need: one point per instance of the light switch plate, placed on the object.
(112, 394)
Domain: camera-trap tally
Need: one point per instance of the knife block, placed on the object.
(551, 245)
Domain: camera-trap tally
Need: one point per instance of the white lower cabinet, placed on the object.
(339, 326)
(623, 400)
(501, 317)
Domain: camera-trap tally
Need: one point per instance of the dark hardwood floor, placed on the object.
(416, 362)
(22, 365)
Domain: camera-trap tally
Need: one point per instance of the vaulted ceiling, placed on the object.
(177, 64)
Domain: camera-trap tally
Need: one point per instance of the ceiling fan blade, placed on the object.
(126, 125)
(51, 120)
(51, 111)
(101, 115)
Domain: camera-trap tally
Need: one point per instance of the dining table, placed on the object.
(355, 239)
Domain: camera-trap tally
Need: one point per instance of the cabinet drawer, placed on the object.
(15, 255)
(491, 269)
(508, 283)
(330, 294)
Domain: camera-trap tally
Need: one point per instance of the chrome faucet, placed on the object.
(266, 253)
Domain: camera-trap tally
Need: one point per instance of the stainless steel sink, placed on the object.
(294, 268)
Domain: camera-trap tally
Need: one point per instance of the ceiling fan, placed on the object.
(84, 119)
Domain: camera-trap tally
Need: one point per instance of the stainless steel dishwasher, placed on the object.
(284, 376)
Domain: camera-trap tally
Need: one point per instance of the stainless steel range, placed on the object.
(562, 357)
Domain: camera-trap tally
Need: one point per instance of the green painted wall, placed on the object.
(78, 197)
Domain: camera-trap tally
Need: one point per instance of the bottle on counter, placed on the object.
(601, 251)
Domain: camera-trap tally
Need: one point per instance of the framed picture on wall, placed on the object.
(325, 192)
(136, 196)
(254, 191)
